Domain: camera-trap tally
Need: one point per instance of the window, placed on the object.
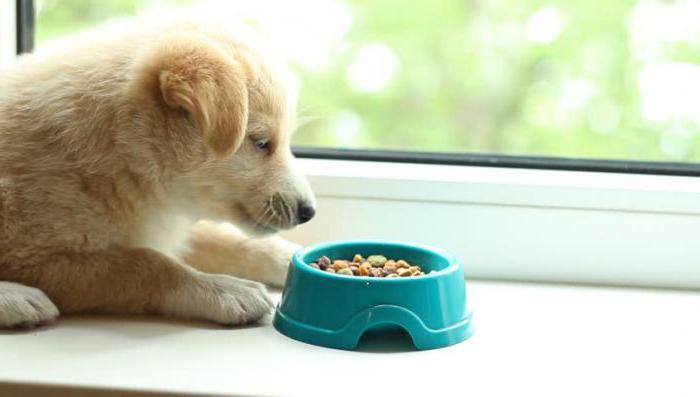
(552, 85)
(538, 78)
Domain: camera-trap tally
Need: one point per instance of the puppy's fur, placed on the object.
(112, 150)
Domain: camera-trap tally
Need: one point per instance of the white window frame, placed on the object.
(515, 224)
(8, 31)
(518, 224)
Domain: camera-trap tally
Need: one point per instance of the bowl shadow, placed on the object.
(395, 341)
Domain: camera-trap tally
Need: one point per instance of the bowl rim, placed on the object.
(453, 265)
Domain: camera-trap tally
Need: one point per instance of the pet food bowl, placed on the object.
(334, 310)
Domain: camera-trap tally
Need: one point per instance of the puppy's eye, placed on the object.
(262, 144)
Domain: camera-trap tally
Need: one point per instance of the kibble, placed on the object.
(364, 269)
(323, 262)
(376, 260)
(371, 266)
(340, 264)
(345, 271)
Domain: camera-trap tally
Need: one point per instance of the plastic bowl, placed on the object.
(332, 310)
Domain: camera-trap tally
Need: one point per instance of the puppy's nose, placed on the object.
(305, 212)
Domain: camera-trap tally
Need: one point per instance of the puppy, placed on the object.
(112, 150)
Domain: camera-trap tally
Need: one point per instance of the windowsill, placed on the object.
(517, 224)
(531, 339)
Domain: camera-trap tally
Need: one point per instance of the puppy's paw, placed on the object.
(221, 299)
(22, 306)
(273, 260)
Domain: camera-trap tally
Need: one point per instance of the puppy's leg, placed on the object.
(136, 281)
(219, 248)
(22, 306)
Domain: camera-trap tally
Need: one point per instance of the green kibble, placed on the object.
(345, 271)
(314, 265)
(376, 260)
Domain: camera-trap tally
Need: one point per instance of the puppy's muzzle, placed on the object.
(283, 212)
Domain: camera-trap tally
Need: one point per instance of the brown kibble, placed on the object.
(340, 264)
(390, 267)
(373, 266)
(364, 269)
(402, 263)
(323, 262)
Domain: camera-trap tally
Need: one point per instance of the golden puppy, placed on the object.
(112, 150)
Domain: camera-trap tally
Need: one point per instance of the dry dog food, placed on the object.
(372, 266)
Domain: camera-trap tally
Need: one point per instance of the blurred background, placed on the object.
(568, 78)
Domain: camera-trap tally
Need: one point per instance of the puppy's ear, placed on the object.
(197, 75)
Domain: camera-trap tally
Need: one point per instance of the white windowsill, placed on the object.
(518, 224)
(530, 340)
(504, 186)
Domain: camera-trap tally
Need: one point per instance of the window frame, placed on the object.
(650, 205)
(502, 161)
(25, 26)
(8, 31)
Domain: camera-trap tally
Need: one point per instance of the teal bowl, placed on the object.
(333, 310)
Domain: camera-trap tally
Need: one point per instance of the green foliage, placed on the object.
(469, 77)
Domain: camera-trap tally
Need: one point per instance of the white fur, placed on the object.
(219, 298)
(105, 164)
(24, 306)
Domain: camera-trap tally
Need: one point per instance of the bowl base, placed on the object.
(377, 319)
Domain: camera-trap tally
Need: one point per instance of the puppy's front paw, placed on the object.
(274, 254)
(221, 299)
(22, 306)
(238, 301)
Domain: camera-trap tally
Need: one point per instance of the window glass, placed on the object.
(575, 78)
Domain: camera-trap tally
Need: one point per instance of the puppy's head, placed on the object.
(232, 111)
